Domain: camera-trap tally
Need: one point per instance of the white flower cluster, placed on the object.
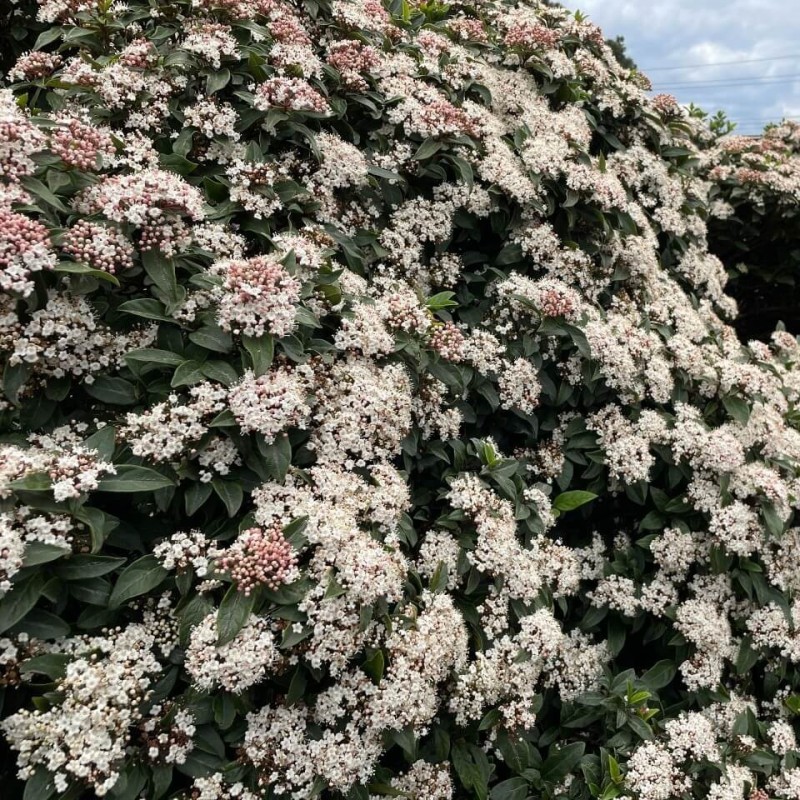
(166, 431)
(237, 664)
(354, 713)
(361, 409)
(190, 550)
(168, 737)
(65, 338)
(515, 271)
(72, 468)
(271, 403)
(498, 551)
(24, 526)
(510, 674)
(85, 736)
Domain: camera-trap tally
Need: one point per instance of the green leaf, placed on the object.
(14, 378)
(640, 727)
(42, 553)
(438, 581)
(48, 36)
(441, 300)
(162, 779)
(54, 665)
(212, 337)
(136, 579)
(230, 493)
(261, 351)
(775, 525)
(182, 143)
(472, 767)
(40, 785)
(146, 307)
(747, 657)
(428, 148)
(103, 441)
(73, 268)
(291, 637)
(297, 687)
(33, 482)
(188, 373)
(80, 566)
(20, 600)
(277, 456)
(42, 624)
(100, 524)
(294, 348)
(220, 371)
(41, 192)
(192, 614)
(517, 752)
(148, 355)
(224, 419)
(562, 761)
(92, 591)
(134, 478)
(659, 675)
(737, 408)
(613, 769)
(114, 391)
(512, 789)
(161, 271)
(196, 495)
(234, 611)
(374, 666)
(386, 174)
(793, 703)
(568, 501)
(217, 80)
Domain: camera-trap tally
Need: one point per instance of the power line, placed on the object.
(706, 88)
(745, 78)
(718, 63)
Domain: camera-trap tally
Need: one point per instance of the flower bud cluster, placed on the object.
(19, 140)
(99, 246)
(81, 145)
(35, 64)
(24, 249)
(258, 296)
(290, 94)
(260, 557)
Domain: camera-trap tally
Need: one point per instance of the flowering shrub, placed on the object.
(754, 224)
(373, 424)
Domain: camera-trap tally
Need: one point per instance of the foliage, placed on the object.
(620, 51)
(755, 224)
(371, 423)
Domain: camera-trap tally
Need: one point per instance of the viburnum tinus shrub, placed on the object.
(754, 225)
(372, 424)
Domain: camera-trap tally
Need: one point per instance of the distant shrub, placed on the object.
(755, 223)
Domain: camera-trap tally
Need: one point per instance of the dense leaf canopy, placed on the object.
(373, 423)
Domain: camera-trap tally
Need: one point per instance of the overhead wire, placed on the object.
(733, 80)
(719, 63)
(711, 85)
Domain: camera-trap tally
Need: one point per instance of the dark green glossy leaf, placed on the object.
(138, 578)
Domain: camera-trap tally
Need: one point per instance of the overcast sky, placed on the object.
(678, 33)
